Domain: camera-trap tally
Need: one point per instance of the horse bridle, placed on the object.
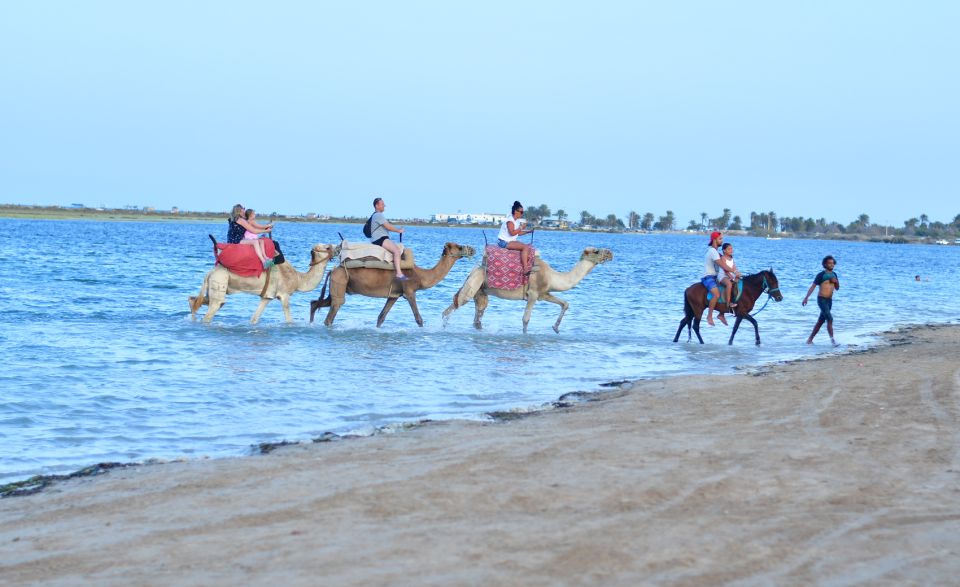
(766, 285)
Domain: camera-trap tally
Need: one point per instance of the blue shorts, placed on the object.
(501, 243)
(709, 282)
(826, 307)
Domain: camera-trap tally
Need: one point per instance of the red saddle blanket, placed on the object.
(504, 270)
(242, 259)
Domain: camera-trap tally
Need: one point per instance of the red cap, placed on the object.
(713, 236)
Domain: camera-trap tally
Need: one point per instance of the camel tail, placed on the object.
(197, 302)
(324, 300)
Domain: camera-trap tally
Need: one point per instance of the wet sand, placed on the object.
(835, 471)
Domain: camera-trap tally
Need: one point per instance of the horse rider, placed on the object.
(712, 262)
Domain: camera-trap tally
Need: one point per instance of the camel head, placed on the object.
(321, 253)
(458, 251)
(596, 256)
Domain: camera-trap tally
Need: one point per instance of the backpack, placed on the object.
(367, 229)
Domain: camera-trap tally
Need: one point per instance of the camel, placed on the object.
(542, 282)
(284, 281)
(381, 283)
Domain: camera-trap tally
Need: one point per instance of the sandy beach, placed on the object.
(835, 471)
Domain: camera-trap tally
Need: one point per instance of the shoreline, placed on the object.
(38, 483)
(831, 469)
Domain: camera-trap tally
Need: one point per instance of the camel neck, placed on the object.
(565, 281)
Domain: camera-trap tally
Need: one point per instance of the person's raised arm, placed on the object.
(252, 227)
(515, 230)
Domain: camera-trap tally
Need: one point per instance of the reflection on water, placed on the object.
(104, 363)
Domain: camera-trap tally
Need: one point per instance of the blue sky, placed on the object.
(823, 109)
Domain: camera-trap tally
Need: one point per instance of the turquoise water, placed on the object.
(103, 362)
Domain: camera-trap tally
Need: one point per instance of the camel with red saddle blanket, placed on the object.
(280, 281)
(375, 282)
(542, 281)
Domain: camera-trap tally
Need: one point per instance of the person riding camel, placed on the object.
(713, 262)
(380, 229)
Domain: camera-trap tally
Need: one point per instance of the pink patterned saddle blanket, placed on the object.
(504, 270)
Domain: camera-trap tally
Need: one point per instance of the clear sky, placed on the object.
(823, 109)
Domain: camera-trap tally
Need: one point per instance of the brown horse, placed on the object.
(753, 286)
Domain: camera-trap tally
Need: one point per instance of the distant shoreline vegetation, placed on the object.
(764, 224)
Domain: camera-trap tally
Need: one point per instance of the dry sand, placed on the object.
(837, 471)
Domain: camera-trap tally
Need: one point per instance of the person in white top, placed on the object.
(510, 231)
(712, 263)
(729, 279)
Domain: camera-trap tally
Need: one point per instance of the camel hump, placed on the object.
(370, 256)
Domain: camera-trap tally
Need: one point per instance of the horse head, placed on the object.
(458, 251)
(771, 285)
(596, 256)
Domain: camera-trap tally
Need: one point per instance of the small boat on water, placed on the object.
(956, 241)
(942, 242)
(773, 238)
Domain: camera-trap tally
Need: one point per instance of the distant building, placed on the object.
(469, 218)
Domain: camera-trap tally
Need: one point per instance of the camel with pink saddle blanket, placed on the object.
(484, 281)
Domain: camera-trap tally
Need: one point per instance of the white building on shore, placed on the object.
(468, 218)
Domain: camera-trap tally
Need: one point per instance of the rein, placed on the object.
(770, 291)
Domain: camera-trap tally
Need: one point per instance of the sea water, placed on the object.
(103, 362)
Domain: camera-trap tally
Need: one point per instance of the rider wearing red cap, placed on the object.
(713, 260)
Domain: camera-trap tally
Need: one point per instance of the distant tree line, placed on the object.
(760, 223)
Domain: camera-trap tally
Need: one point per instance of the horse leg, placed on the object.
(386, 308)
(736, 325)
(547, 297)
(696, 328)
(756, 327)
(480, 302)
(684, 322)
(412, 300)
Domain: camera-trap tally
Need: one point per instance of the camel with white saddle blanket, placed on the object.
(372, 275)
(542, 281)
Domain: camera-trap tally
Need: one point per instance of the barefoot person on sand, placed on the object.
(828, 282)
(712, 263)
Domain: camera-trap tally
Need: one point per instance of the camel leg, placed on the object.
(736, 325)
(412, 300)
(696, 329)
(260, 307)
(480, 302)
(338, 295)
(531, 300)
(216, 297)
(285, 303)
(385, 310)
(547, 297)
